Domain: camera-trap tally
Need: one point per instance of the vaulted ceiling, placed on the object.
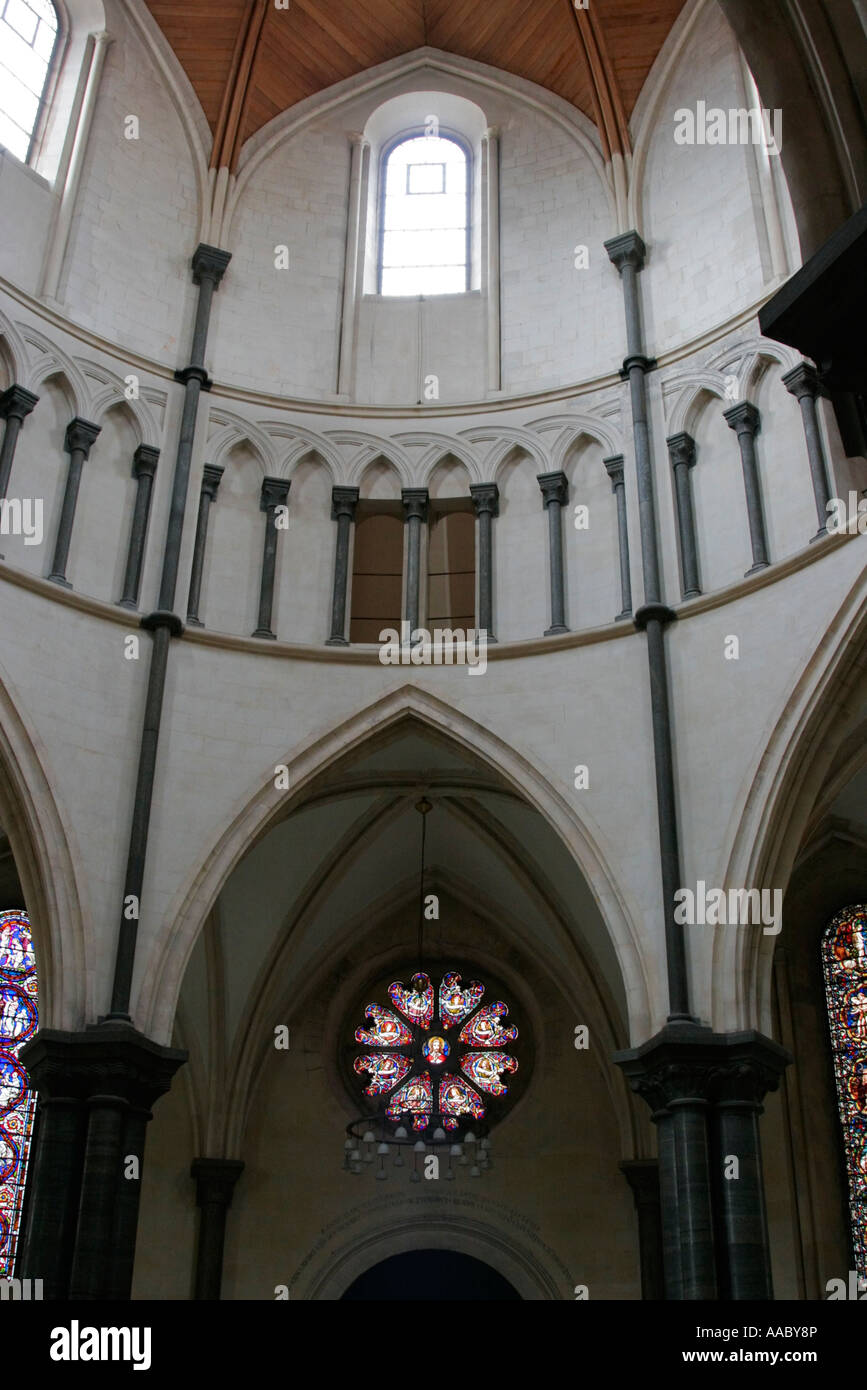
(248, 60)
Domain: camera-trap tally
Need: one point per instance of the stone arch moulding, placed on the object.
(44, 859)
(232, 431)
(51, 361)
(15, 349)
(787, 777)
(109, 392)
(161, 976)
(430, 64)
(532, 1269)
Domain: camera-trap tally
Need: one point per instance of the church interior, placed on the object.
(433, 667)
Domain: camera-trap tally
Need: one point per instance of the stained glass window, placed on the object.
(18, 1020)
(425, 218)
(28, 33)
(429, 1065)
(844, 952)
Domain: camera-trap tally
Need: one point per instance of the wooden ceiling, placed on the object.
(248, 60)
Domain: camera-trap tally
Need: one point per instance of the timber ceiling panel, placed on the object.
(248, 60)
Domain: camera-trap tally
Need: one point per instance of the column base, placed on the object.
(129, 604)
(754, 569)
(194, 622)
(266, 633)
(691, 593)
(59, 579)
(622, 616)
(554, 631)
(336, 642)
(820, 534)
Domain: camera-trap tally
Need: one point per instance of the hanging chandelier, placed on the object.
(434, 1059)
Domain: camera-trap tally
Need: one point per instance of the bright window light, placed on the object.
(28, 33)
(424, 218)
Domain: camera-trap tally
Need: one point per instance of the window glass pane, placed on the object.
(18, 1022)
(28, 32)
(844, 951)
(424, 218)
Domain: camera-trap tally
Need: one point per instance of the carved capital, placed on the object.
(743, 417)
(681, 450)
(415, 500)
(17, 402)
(626, 249)
(215, 1180)
(554, 487)
(803, 380)
(209, 263)
(614, 469)
(274, 493)
(486, 498)
(687, 1064)
(80, 434)
(211, 475)
(145, 460)
(107, 1060)
(344, 500)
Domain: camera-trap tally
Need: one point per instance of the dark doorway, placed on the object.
(423, 1275)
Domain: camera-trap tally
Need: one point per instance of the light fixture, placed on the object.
(420, 1074)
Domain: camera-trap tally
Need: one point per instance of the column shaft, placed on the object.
(16, 403)
(53, 1191)
(80, 435)
(343, 503)
(415, 503)
(92, 1263)
(486, 502)
(803, 382)
(681, 451)
(555, 494)
(215, 1184)
(744, 419)
(274, 494)
(143, 468)
(211, 476)
(746, 1270)
(614, 469)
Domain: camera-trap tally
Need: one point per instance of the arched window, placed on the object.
(18, 1020)
(424, 217)
(28, 34)
(844, 953)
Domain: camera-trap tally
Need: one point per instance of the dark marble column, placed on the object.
(614, 469)
(215, 1184)
(344, 500)
(744, 419)
(274, 494)
(208, 265)
(415, 502)
(80, 1227)
(211, 475)
(486, 502)
(16, 403)
(741, 1081)
(555, 494)
(681, 452)
(144, 466)
(803, 382)
(627, 252)
(701, 1087)
(80, 437)
(643, 1178)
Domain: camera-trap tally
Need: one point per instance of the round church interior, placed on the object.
(433, 695)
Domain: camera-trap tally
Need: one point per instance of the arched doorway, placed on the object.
(423, 1275)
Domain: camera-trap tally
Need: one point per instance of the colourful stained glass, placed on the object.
(456, 1003)
(415, 1098)
(457, 1097)
(416, 1002)
(485, 1068)
(386, 1069)
(844, 952)
(387, 1030)
(435, 1051)
(18, 1021)
(485, 1030)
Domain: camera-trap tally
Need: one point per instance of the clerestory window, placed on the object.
(28, 36)
(424, 217)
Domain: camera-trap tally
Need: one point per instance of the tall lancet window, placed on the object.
(844, 952)
(424, 217)
(18, 1020)
(28, 35)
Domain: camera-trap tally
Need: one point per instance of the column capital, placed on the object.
(80, 434)
(215, 1180)
(614, 469)
(415, 500)
(145, 460)
(274, 493)
(743, 417)
(344, 500)
(687, 1063)
(486, 498)
(626, 249)
(642, 1174)
(803, 380)
(681, 449)
(106, 1059)
(211, 475)
(555, 488)
(209, 263)
(17, 401)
